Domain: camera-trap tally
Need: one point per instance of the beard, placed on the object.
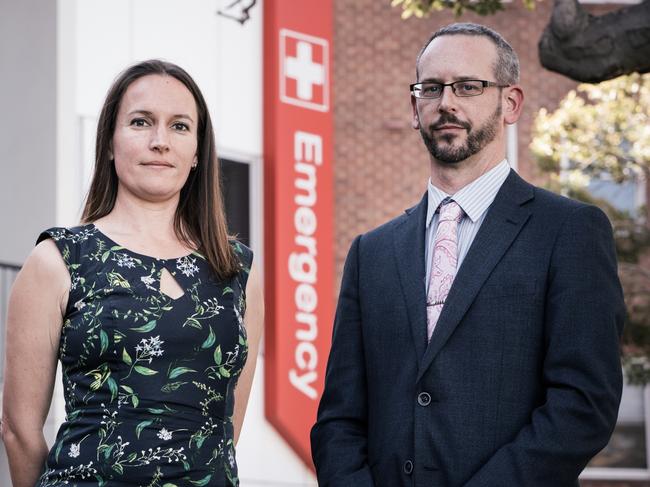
(477, 139)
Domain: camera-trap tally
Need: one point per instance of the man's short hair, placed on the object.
(506, 68)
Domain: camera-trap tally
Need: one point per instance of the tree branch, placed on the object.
(592, 48)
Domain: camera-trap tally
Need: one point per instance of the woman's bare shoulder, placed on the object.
(44, 269)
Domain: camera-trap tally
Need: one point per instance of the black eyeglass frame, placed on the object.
(484, 84)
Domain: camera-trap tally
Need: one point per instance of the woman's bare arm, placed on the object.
(36, 307)
(254, 322)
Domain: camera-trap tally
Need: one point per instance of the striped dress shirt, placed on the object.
(474, 199)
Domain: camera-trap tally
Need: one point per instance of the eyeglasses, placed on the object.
(467, 87)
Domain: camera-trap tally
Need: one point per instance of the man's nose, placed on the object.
(447, 101)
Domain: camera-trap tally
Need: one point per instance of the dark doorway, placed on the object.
(236, 192)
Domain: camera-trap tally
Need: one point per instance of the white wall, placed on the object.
(27, 133)
(27, 124)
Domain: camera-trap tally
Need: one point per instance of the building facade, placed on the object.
(54, 81)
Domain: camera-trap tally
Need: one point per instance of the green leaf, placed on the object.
(204, 481)
(208, 341)
(109, 450)
(140, 369)
(135, 401)
(163, 411)
(105, 257)
(103, 339)
(169, 484)
(224, 372)
(99, 310)
(127, 389)
(145, 328)
(172, 386)
(242, 340)
(229, 476)
(105, 449)
(118, 468)
(126, 358)
(194, 323)
(112, 385)
(226, 290)
(131, 457)
(58, 450)
(141, 426)
(115, 279)
(217, 355)
(117, 247)
(176, 371)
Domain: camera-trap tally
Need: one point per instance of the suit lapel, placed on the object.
(409, 252)
(505, 219)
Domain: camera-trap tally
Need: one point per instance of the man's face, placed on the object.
(455, 128)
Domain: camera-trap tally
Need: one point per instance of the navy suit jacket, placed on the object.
(521, 381)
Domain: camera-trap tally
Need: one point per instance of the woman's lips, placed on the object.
(157, 164)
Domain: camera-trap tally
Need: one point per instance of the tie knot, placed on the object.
(450, 211)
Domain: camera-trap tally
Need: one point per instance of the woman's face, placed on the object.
(155, 140)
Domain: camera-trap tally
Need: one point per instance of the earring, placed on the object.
(194, 166)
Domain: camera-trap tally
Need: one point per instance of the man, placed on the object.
(476, 336)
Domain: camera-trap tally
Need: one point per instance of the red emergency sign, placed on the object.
(298, 213)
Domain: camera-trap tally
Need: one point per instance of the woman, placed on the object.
(154, 313)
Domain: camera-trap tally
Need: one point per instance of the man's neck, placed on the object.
(451, 178)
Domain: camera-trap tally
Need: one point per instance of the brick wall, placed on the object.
(381, 165)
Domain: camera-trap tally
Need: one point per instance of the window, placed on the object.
(8, 273)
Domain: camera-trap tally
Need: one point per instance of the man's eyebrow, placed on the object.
(457, 78)
(150, 114)
(470, 77)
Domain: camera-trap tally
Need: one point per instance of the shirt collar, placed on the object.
(475, 198)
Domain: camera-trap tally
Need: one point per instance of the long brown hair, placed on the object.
(200, 218)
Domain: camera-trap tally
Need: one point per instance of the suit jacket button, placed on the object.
(424, 399)
(408, 467)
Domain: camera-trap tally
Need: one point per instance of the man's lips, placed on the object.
(451, 123)
(449, 127)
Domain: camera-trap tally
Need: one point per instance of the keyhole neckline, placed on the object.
(138, 254)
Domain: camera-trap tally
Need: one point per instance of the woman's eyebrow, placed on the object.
(150, 114)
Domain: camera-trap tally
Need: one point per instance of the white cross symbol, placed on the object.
(306, 72)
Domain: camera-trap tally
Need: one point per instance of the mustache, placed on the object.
(449, 119)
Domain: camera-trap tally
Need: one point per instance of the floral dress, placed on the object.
(148, 380)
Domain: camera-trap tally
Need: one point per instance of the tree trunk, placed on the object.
(646, 174)
(592, 48)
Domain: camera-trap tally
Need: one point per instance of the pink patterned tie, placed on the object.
(443, 266)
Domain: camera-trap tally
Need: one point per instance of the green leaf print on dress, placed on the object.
(148, 380)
